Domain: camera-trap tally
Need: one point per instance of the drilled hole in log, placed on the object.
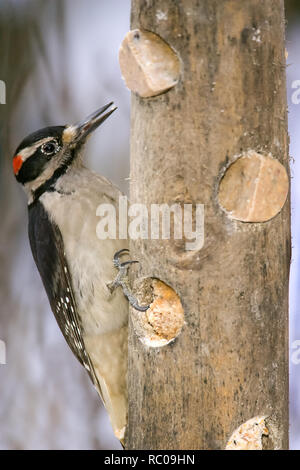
(254, 188)
(163, 320)
(250, 435)
(148, 64)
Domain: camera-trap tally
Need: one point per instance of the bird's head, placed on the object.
(48, 153)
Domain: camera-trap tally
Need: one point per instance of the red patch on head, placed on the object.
(17, 163)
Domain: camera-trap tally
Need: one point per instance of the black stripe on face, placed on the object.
(35, 164)
(49, 184)
(55, 131)
(32, 167)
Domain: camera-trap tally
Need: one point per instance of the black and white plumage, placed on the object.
(75, 266)
(48, 252)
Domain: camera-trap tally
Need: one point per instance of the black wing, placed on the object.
(48, 252)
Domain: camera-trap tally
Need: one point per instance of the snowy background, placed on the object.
(59, 60)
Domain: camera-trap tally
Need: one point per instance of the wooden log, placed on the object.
(229, 364)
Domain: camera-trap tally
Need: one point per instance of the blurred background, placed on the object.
(59, 60)
(293, 76)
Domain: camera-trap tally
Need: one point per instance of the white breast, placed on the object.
(90, 260)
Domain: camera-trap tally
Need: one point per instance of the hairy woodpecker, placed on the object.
(75, 266)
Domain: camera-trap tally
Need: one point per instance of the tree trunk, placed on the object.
(230, 362)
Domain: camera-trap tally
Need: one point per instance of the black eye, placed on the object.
(50, 148)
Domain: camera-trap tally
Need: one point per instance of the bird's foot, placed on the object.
(122, 280)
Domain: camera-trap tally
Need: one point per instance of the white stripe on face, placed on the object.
(28, 151)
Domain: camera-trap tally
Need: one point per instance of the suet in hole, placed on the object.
(164, 319)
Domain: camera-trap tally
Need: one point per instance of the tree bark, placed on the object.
(230, 362)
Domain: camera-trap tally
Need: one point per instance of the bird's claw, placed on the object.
(117, 255)
(122, 279)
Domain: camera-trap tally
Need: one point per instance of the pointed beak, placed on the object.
(77, 134)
